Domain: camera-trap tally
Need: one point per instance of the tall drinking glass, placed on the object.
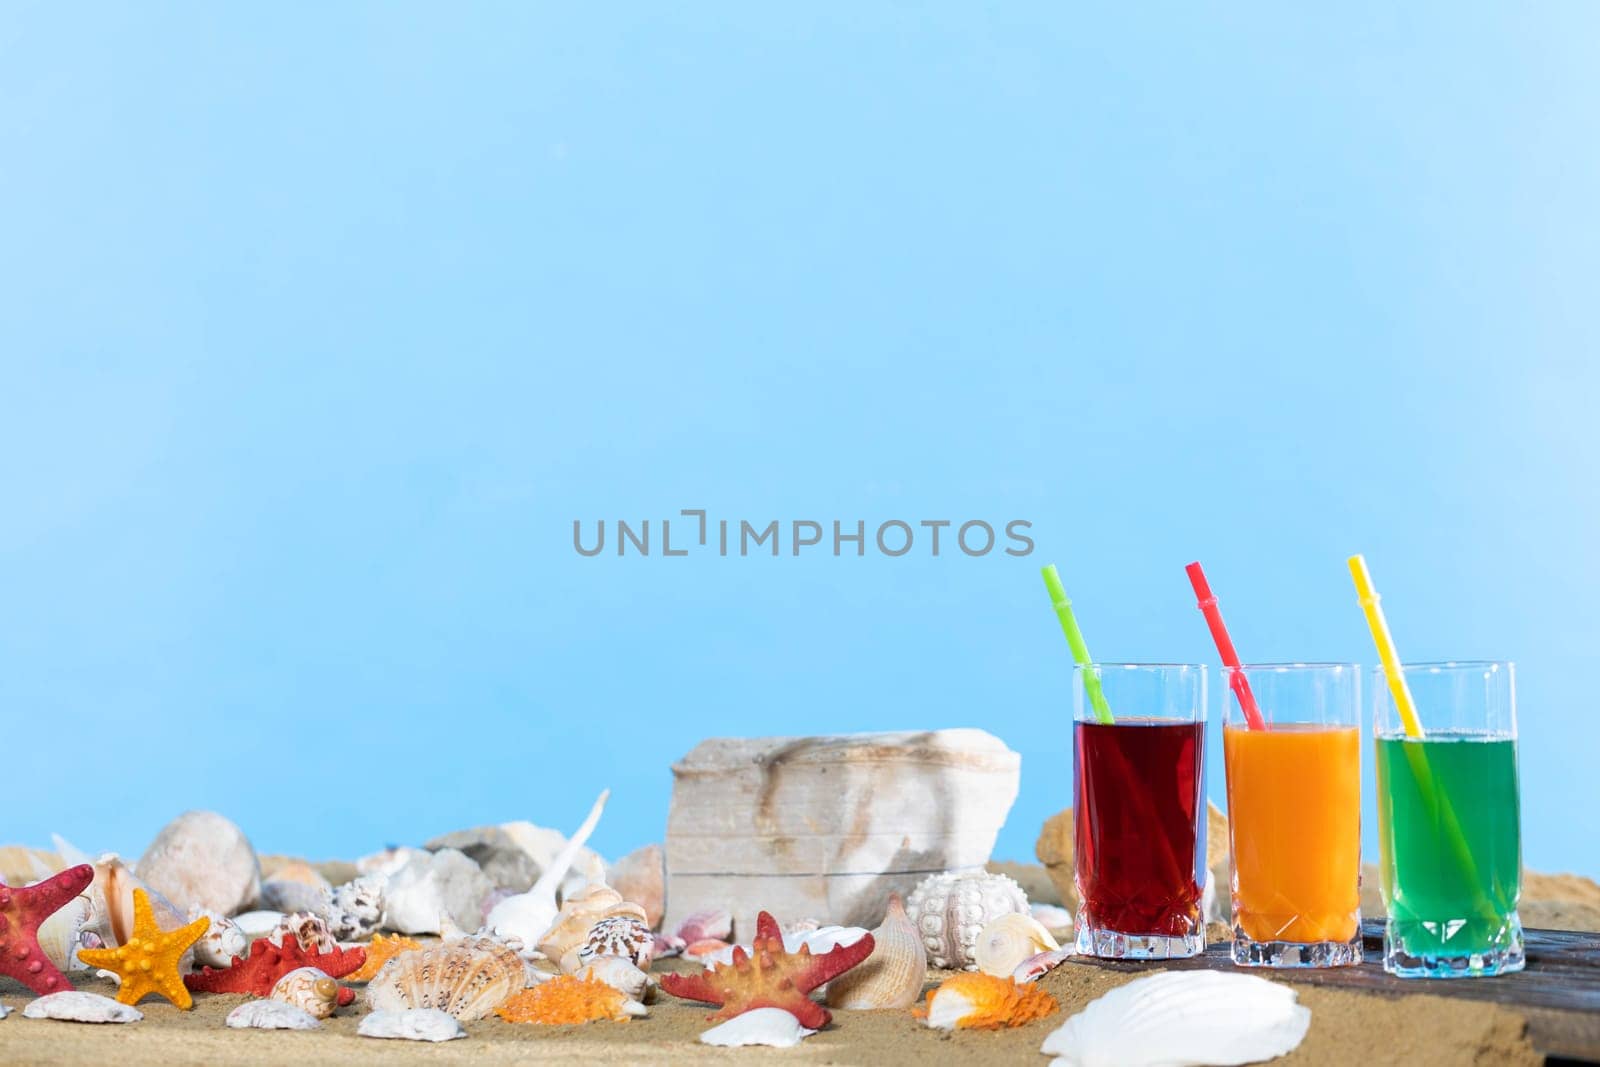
(1449, 824)
(1138, 807)
(1294, 814)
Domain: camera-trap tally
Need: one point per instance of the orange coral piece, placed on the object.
(770, 977)
(381, 950)
(984, 1002)
(564, 1000)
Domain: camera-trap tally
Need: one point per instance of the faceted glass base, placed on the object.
(1293, 954)
(1114, 945)
(1505, 956)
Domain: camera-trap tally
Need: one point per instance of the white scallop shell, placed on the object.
(467, 979)
(759, 1026)
(416, 1024)
(1008, 941)
(950, 910)
(75, 1006)
(1180, 1018)
(309, 989)
(270, 1015)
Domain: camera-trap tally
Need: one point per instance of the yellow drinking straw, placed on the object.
(1386, 650)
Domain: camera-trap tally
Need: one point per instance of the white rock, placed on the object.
(271, 1015)
(759, 1026)
(416, 1024)
(201, 860)
(431, 885)
(78, 1007)
(829, 826)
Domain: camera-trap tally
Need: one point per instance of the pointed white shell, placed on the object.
(78, 1007)
(1181, 1018)
(760, 1026)
(270, 1015)
(892, 976)
(1009, 940)
(418, 1024)
(528, 916)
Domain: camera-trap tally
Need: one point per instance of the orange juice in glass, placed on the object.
(1294, 815)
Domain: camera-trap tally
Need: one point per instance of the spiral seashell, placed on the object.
(310, 931)
(892, 976)
(310, 990)
(578, 916)
(950, 911)
(222, 941)
(620, 935)
(467, 979)
(621, 975)
(357, 908)
(1009, 940)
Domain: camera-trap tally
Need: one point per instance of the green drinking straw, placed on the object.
(1080, 651)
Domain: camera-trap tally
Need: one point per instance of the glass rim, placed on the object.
(1451, 733)
(1323, 666)
(1453, 664)
(1133, 666)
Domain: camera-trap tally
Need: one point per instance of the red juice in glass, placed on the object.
(1137, 810)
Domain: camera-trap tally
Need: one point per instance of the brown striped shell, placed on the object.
(467, 979)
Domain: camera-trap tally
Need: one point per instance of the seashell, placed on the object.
(620, 935)
(110, 898)
(759, 1026)
(4, 1011)
(309, 931)
(356, 910)
(667, 946)
(579, 915)
(892, 976)
(222, 941)
(380, 950)
(415, 1024)
(432, 889)
(256, 924)
(271, 1015)
(62, 933)
(467, 979)
(984, 1002)
(565, 999)
(1007, 941)
(1183, 1017)
(1036, 967)
(950, 911)
(1057, 920)
(705, 926)
(701, 951)
(74, 1006)
(310, 990)
(621, 975)
(201, 859)
(528, 916)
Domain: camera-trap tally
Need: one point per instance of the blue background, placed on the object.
(321, 323)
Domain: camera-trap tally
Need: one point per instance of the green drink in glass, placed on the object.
(1449, 825)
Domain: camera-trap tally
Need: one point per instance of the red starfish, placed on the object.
(771, 978)
(268, 962)
(22, 909)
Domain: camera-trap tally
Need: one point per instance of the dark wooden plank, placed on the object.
(1558, 992)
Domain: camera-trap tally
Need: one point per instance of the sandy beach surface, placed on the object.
(1346, 1028)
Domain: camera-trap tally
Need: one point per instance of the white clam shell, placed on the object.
(270, 1015)
(1182, 1018)
(1007, 941)
(759, 1026)
(75, 1006)
(417, 1024)
(892, 976)
(4, 1011)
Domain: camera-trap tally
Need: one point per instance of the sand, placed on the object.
(1346, 1028)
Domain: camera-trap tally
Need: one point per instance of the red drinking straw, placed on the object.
(1230, 659)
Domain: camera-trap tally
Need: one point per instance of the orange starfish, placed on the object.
(381, 950)
(148, 961)
(569, 999)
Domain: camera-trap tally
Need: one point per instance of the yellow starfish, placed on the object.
(148, 961)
